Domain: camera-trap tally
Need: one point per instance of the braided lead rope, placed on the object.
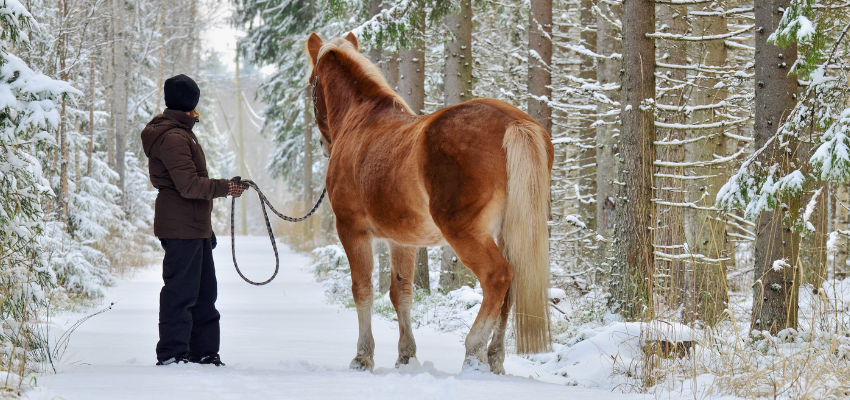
(263, 203)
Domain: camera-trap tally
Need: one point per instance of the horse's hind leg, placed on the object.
(401, 294)
(496, 351)
(480, 253)
(358, 248)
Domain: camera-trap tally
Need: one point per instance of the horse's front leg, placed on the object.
(358, 248)
(401, 294)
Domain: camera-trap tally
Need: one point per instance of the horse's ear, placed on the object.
(314, 43)
(353, 39)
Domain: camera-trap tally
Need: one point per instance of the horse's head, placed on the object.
(315, 50)
(346, 87)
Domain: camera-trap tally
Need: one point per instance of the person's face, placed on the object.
(196, 115)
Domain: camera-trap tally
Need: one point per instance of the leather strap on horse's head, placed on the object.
(319, 119)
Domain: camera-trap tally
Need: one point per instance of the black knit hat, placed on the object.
(181, 93)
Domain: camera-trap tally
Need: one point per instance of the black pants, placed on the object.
(188, 320)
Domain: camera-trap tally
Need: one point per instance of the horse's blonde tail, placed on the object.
(525, 237)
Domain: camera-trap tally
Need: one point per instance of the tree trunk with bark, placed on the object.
(63, 124)
(458, 76)
(633, 271)
(607, 131)
(411, 79)
(421, 277)
(90, 151)
(109, 85)
(668, 232)
(841, 223)
(588, 246)
(384, 270)
(119, 68)
(813, 251)
(705, 229)
(193, 21)
(539, 62)
(776, 275)
(375, 52)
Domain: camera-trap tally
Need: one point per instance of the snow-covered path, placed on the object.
(280, 341)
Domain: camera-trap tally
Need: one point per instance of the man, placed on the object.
(188, 319)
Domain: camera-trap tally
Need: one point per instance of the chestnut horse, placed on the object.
(471, 176)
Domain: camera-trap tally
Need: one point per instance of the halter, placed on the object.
(316, 107)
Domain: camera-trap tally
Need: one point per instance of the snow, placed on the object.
(606, 357)
(14, 10)
(806, 30)
(779, 264)
(832, 244)
(279, 341)
(467, 295)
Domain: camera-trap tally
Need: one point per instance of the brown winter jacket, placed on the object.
(178, 169)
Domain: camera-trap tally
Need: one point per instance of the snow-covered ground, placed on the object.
(280, 341)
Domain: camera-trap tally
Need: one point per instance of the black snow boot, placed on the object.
(173, 360)
(213, 359)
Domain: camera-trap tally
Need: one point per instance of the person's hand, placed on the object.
(236, 189)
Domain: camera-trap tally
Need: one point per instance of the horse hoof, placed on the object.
(497, 369)
(402, 360)
(362, 364)
(472, 363)
(496, 361)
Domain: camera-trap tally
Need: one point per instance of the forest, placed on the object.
(700, 181)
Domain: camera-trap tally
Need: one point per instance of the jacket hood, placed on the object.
(162, 123)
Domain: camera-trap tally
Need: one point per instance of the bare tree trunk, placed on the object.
(588, 247)
(162, 43)
(411, 81)
(375, 52)
(813, 254)
(607, 133)
(119, 62)
(841, 222)
(383, 252)
(240, 136)
(453, 274)
(633, 270)
(91, 117)
(110, 88)
(775, 292)
(458, 88)
(193, 20)
(705, 229)
(539, 61)
(421, 278)
(63, 125)
(673, 281)
(458, 77)
(390, 68)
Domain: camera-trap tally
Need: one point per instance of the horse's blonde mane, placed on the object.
(370, 70)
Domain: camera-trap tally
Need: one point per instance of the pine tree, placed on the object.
(633, 272)
(30, 110)
(539, 62)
